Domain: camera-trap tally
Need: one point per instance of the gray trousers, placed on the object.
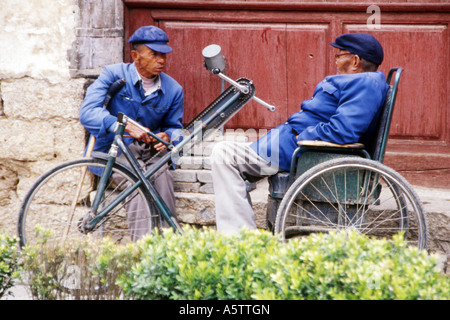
(163, 183)
(231, 164)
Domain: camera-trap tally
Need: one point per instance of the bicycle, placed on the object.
(95, 195)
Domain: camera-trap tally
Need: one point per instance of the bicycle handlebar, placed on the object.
(123, 119)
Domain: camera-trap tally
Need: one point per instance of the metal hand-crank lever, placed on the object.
(243, 89)
(215, 63)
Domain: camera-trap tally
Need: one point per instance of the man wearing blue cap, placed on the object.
(344, 109)
(151, 97)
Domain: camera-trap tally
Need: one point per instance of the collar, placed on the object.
(136, 77)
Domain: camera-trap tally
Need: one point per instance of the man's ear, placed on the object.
(134, 55)
(356, 62)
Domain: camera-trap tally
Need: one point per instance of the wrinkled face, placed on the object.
(149, 63)
(344, 61)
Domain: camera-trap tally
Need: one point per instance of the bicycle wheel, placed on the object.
(59, 202)
(352, 193)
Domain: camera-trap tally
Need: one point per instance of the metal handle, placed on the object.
(123, 119)
(243, 89)
(265, 104)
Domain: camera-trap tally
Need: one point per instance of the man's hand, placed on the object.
(138, 134)
(159, 146)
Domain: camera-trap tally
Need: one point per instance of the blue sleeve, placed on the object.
(93, 116)
(359, 101)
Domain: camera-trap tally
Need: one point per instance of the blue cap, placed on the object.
(153, 37)
(362, 44)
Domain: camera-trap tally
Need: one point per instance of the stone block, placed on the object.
(25, 141)
(29, 172)
(204, 176)
(208, 147)
(31, 99)
(194, 208)
(94, 53)
(207, 188)
(106, 51)
(203, 148)
(207, 163)
(100, 14)
(70, 140)
(191, 187)
(180, 175)
(191, 163)
(8, 181)
(196, 150)
(44, 30)
(99, 37)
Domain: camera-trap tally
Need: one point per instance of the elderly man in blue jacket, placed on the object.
(344, 109)
(151, 97)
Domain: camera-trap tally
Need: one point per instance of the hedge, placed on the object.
(204, 264)
(257, 265)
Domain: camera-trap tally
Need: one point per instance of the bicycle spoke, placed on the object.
(352, 194)
(49, 206)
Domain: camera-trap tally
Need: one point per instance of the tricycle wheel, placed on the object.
(352, 194)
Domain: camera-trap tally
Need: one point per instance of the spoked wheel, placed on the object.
(352, 194)
(58, 205)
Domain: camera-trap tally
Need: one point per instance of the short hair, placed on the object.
(368, 66)
(135, 46)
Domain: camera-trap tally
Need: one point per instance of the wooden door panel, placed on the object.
(253, 51)
(422, 50)
(307, 45)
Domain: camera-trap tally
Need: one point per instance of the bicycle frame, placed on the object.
(210, 118)
(120, 144)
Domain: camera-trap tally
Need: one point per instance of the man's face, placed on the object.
(149, 63)
(344, 61)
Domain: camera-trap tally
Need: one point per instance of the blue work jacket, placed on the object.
(160, 111)
(344, 109)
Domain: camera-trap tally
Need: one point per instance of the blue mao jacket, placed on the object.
(343, 109)
(160, 111)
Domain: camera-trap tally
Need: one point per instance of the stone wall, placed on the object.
(49, 53)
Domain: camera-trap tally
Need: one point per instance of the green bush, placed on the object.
(351, 266)
(256, 265)
(199, 265)
(9, 262)
(205, 264)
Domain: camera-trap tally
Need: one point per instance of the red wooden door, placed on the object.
(284, 48)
